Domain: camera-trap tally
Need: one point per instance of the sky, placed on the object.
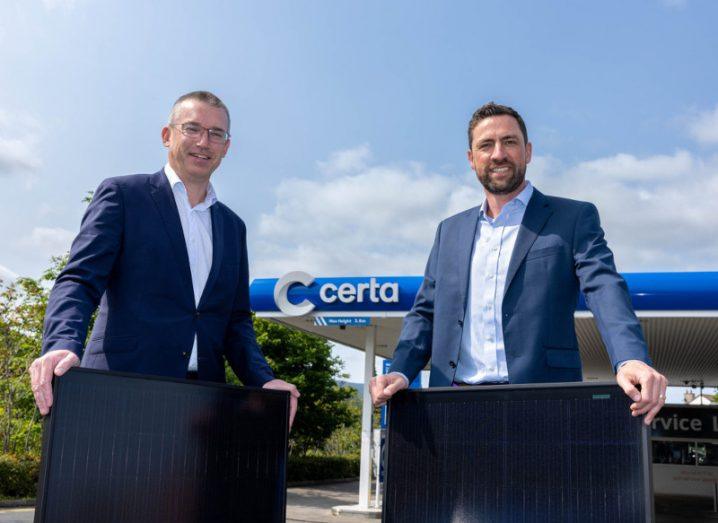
(349, 119)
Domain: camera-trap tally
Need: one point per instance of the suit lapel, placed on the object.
(217, 249)
(537, 212)
(466, 240)
(161, 193)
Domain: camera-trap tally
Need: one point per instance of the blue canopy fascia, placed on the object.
(650, 291)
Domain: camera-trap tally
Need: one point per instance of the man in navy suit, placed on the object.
(167, 264)
(502, 283)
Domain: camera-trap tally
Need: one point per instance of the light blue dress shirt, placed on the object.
(482, 357)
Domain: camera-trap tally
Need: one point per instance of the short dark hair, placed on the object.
(493, 109)
(200, 96)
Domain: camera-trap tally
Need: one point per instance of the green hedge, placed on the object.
(318, 468)
(18, 476)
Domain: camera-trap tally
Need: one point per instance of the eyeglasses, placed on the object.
(195, 130)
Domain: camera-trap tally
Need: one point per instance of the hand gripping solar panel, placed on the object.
(538, 453)
(128, 448)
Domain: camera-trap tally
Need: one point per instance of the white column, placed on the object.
(366, 418)
(377, 465)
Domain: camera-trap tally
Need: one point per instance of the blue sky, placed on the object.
(349, 118)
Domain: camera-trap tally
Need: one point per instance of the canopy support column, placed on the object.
(366, 420)
(363, 507)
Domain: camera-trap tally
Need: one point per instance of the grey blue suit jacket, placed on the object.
(560, 250)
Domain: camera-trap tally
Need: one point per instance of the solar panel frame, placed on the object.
(433, 483)
(225, 445)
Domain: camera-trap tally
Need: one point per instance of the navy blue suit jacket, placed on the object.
(560, 249)
(130, 258)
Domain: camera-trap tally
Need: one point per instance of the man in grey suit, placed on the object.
(502, 283)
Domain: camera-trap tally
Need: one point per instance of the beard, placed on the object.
(507, 185)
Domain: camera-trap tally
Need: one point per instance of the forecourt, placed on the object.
(677, 310)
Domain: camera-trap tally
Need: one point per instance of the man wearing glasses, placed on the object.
(167, 264)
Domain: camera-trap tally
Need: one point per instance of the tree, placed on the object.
(307, 362)
(22, 310)
(346, 439)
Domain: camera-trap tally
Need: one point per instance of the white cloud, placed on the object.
(7, 275)
(380, 220)
(49, 241)
(346, 161)
(705, 127)
(19, 140)
(658, 213)
(628, 168)
(17, 156)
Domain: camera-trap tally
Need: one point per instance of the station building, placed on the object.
(677, 311)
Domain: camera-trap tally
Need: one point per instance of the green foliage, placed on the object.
(22, 307)
(50, 275)
(325, 415)
(22, 311)
(18, 476)
(306, 361)
(317, 468)
(344, 441)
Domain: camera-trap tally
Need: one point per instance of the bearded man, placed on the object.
(502, 283)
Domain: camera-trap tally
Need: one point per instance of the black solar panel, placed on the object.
(127, 448)
(569, 452)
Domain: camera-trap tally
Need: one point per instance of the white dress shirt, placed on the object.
(482, 357)
(197, 230)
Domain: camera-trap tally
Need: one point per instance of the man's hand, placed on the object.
(293, 396)
(383, 387)
(652, 395)
(56, 362)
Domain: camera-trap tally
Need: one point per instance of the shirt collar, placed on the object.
(178, 185)
(521, 198)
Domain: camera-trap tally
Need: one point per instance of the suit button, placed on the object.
(185, 354)
(452, 364)
(196, 314)
(506, 315)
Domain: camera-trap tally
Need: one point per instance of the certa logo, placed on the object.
(362, 292)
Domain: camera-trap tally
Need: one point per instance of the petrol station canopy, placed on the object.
(678, 312)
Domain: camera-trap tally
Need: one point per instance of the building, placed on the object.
(678, 313)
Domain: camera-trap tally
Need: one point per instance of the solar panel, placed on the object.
(121, 447)
(568, 452)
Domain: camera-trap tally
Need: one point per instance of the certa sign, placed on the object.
(367, 292)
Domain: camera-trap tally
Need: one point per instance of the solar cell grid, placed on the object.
(121, 448)
(569, 452)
